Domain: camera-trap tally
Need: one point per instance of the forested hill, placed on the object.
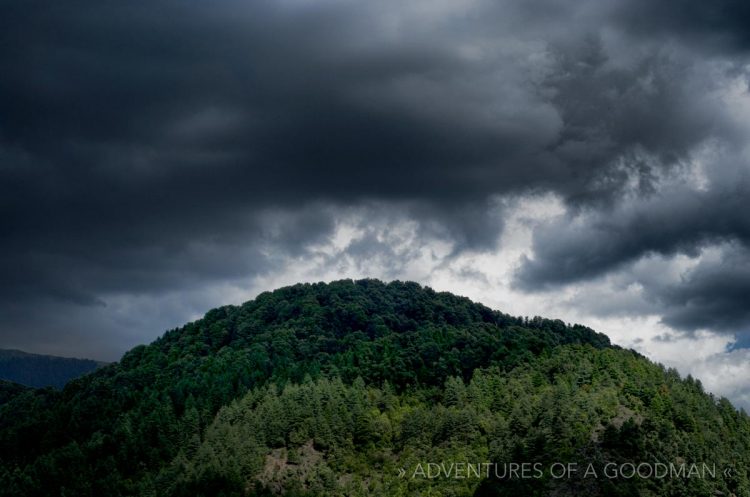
(330, 389)
(36, 370)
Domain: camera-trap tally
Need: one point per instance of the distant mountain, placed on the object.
(362, 388)
(36, 370)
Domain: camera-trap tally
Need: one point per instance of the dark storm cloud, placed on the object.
(147, 147)
(723, 23)
(623, 123)
(714, 295)
(593, 243)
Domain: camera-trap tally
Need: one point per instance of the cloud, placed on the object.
(711, 295)
(721, 24)
(587, 244)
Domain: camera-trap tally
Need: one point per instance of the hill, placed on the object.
(365, 388)
(35, 370)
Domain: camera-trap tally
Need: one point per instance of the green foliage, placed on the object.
(8, 390)
(330, 389)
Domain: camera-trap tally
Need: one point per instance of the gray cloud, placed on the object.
(712, 295)
(721, 25)
(589, 244)
(148, 148)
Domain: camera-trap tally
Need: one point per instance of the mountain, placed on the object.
(37, 370)
(366, 388)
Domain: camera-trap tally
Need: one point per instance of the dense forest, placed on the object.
(36, 370)
(350, 388)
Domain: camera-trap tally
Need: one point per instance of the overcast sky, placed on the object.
(587, 160)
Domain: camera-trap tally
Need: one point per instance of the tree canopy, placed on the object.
(330, 389)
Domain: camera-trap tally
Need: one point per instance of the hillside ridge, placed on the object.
(367, 377)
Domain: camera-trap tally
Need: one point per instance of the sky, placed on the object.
(585, 160)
